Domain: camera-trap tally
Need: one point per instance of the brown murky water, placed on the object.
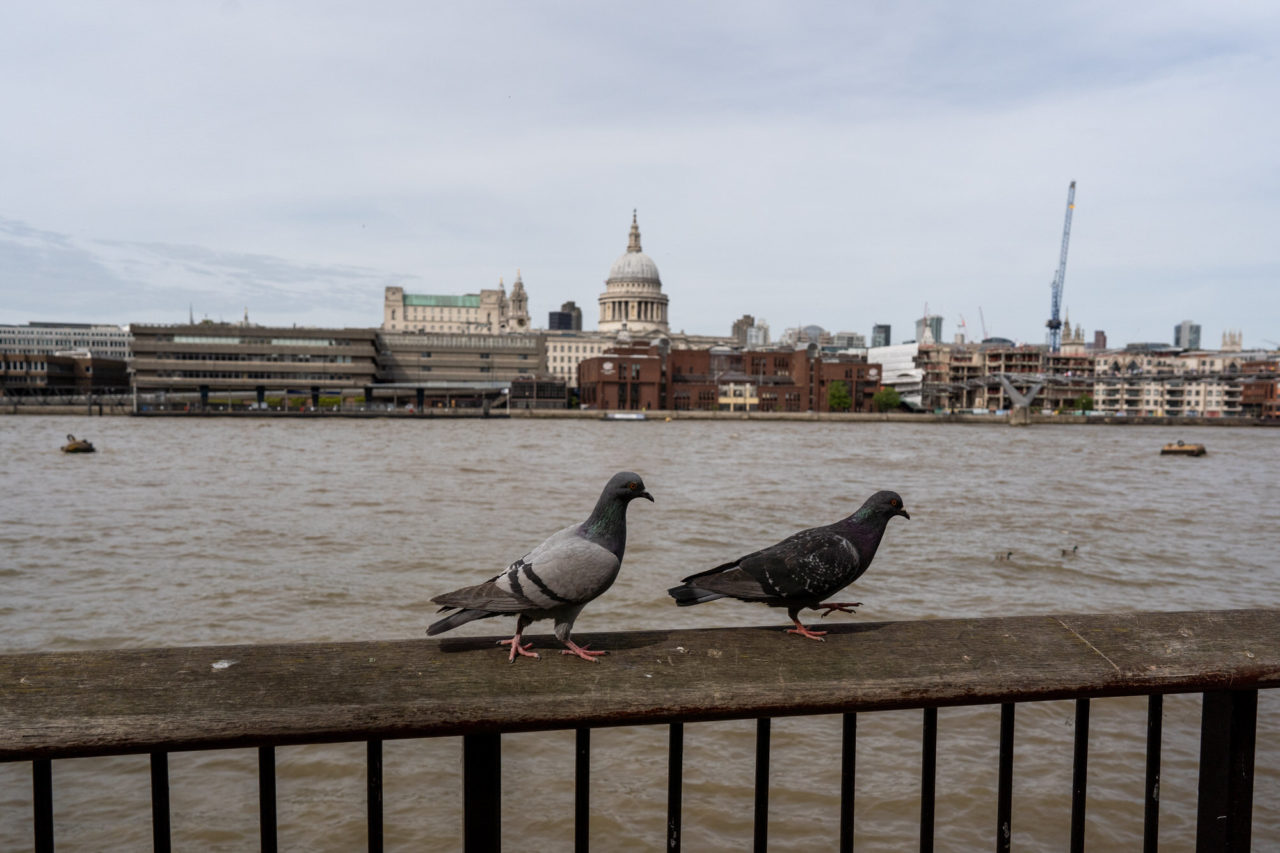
(197, 532)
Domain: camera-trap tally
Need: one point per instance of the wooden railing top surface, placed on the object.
(63, 704)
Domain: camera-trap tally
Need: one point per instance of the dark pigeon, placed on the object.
(556, 579)
(803, 569)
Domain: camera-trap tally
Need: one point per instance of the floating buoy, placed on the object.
(1181, 448)
(77, 445)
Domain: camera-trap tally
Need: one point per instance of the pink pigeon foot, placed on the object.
(838, 606)
(805, 632)
(517, 649)
(582, 651)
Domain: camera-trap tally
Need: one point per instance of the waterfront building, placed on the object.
(1258, 387)
(98, 339)
(489, 312)
(967, 376)
(720, 378)
(633, 297)
(41, 374)
(899, 370)
(457, 360)
(226, 357)
(537, 392)
(953, 377)
(1161, 380)
(245, 361)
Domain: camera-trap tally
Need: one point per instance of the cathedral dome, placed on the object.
(633, 299)
(634, 265)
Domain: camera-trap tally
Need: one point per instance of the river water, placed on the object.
(191, 532)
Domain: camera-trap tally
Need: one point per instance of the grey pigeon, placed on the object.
(556, 579)
(803, 569)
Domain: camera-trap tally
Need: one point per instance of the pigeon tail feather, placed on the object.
(458, 617)
(718, 569)
(687, 596)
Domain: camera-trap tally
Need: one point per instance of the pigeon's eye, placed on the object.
(633, 485)
(894, 502)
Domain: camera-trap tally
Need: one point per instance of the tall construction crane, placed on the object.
(1055, 305)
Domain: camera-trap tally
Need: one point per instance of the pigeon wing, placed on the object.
(811, 564)
(565, 570)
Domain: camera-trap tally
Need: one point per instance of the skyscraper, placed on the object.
(880, 335)
(1187, 335)
(932, 322)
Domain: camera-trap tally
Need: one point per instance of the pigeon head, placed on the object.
(626, 486)
(881, 507)
(607, 524)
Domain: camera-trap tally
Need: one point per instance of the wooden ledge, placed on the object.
(66, 704)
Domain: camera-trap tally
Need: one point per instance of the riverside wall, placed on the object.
(668, 415)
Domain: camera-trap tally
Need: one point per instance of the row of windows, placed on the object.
(253, 340)
(523, 356)
(252, 374)
(240, 356)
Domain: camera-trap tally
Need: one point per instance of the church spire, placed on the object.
(633, 242)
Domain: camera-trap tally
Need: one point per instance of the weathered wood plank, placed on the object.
(136, 700)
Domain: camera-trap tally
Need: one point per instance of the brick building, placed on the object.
(722, 379)
(31, 374)
(1258, 388)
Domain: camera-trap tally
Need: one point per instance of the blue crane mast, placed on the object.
(1055, 305)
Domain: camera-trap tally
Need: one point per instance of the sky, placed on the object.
(843, 164)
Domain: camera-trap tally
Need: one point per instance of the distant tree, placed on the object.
(886, 399)
(838, 397)
(1084, 402)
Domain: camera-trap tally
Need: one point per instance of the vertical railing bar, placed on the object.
(373, 788)
(848, 778)
(1004, 796)
(762, 784)
(42, 791)
(482, 793)
(675, 782)
(582, 791)
(928, 777)
(1151, 794)
(1244, 733)
(160, 835)
(1080, 776)
(1225, 808)
(267, 797)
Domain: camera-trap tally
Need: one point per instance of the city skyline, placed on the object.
(846, 167)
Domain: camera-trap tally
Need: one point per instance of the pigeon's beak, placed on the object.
(646, 495)
(903, 513)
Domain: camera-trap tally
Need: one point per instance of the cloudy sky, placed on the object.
(840, 164)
